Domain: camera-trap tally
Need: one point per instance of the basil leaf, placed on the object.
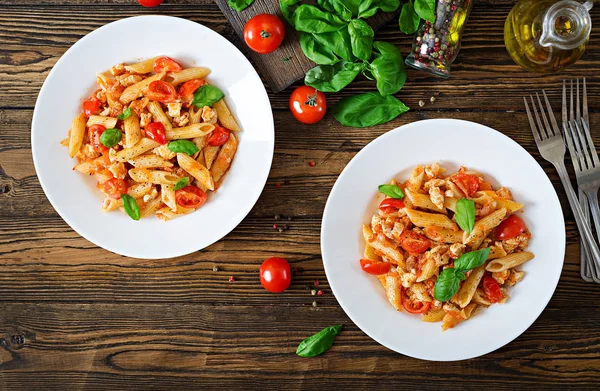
(131, 206)
(426, 9)
(207, 95)
(183, 182)
(288, 7)
(310, 19)
(368, 109)
(332, 78)
(183, 146)
(409, 20)
(465, 214)
(126, 113)
(388, 68)
(239, 5)
(392, 191)
(368, 8)
(338, 42)
(337, 7)
(318, 343)
(110, 137)
(316, 52)
(361, 38)
(446, 285)
(471, 260)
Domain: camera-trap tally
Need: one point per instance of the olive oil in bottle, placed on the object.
(546, 36)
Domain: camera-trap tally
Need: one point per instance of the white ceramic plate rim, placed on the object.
(359, 318)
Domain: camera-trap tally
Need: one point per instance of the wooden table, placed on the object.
(74, 316)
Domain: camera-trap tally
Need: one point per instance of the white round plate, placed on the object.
(72, 80)
(452, 143)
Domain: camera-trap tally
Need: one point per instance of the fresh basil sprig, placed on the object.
(368, 109)
(131, 206)
(288, 7)
(125, 114)
(110, 137)
(332, 78)
(448, 282)
(338, 7)
(207, 95)
(369, 8)
(465, 214)
(182, 146)
(409, 20)
(388, 68)
(183, 182)
(426, 9)
(391, 191)
(315, 51)
(239, 5)
(311, 19)
(338, 42)
(318, 343)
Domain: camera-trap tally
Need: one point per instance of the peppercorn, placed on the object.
(432, 99)
(277, 217)
(313, 292)
(314, 303)
(312, 163)
(215, 268)
(320, 293)
(275, 226)
(231, 279)
(316, 283)
(279, 229)
(421, 103)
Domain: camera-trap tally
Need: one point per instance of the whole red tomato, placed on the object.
(308, 105)
(275, 274)
(150, 3)
(264, 33)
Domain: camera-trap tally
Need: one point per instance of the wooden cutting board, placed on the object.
(286, 64)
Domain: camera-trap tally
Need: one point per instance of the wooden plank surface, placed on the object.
(73, 316)
(287, 64)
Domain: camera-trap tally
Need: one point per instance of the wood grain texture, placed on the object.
(73, 316)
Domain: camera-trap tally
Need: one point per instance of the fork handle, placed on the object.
(586, 266)
(582, 224)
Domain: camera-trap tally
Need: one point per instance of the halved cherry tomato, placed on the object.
(190, 197)
(187, 89)
(219, 136)
(413, 242)
(511, 227)
(95, 133)
(166, 64)
(491, 289)
(156, 131)
(150, 3)
(308, 105)
(374, 267)
(390, 205)
(275, 274)
(469, 184)
(414, 306)
(115, 187)
(161, 91)
(264, 33)
(91, 107)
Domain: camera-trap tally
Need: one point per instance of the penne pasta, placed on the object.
(150, 161)
(392, 289)
(443, 235)
(509, 261)
(225, 116)
(383, 246)
(143, 146)
(149, 208)
(210, 153)
(76, 135)
(370, 253)
(497, 251)
(190, 131)
(167, 194)
(483, 228)
(419, 200)
(142, 67)
(450, 203)
(479, 297)
(165, 213)
(133, 133)
(433, 315)
(160, 116)
(107, 122)
(139, 190)
(196, 170)
(224, 158)
(133, 92)
(195, 114)
(153, 176)
(187, 75)
(424, 219)
(467, 290)
(510, 206)
(428, 269)
(416, 179)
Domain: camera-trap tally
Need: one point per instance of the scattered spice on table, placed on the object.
(432, 99)
(316, 283)
(231, 279)
(279, 229)
(278, 185)
(277, 217)
(421, 103)
(320, 293)
(312, 163)
(215, 268)
(314, 304)
(313, 292)
(275, 226)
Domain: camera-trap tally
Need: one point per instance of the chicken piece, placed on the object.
(105, 112)
(174, 109)
(139, 105)
(420, 292)
(434, 170)
(456, 250)
(376, 221)
(145, 119)
(164, 152)
(397, 230)
(152, 194)
(439, 253)
(434, 183)
(503, 192)
(118, 170)
(501, 277)
(209, 115)
(128, 79)
(109, 204)
(89, 152)
(182, 120)
(519, 242)
(101, 96)
(437, 197)
(116, 110)
(515, 276)
(408, 279)
(117, 70)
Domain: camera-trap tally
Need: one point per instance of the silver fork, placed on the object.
(552, 148)
(588, 270)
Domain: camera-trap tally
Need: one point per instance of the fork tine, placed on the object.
(555, 127)
(590, 142)
(540, 128)
(570, 144)
(565, 119)
(586, 117)
(584, 153)
(536, 135)
(571, 113)
(549, 130)
(577, 110)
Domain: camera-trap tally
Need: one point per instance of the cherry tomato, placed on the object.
(91, 107)
(95, 133)
(390, 205)
(414, 306)
(219, 136)
(161, 91)
(492, 289)
(308, 105)
(115, 187)
(264, 33)
(166, 64)
(156, 131)
(413, 242)
(374, 267)
(275, 274)
(511, 227)
(469, 184)
(190, 197)
(150, 3)
(187, 89)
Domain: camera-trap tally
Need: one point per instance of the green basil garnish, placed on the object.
(288, 7)
(315, 51)
(361, 38)
(318, 343)
(409, 20)
(388, 68)
(426, 9)
(338, 42)
(472, 260)
(131, 206)
(392, 191)
(183, 182)
(337, 7)
(465, 214)
(310, 19)
(368, 109)
(447, 284)
(183, 146)
(126, 113)
(110, 137)
(207, 95)
(369, 8)
(332, 78)
(239, 5)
